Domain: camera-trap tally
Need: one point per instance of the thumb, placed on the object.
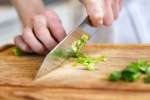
(95, 11)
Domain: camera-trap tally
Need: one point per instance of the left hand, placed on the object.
(102, 12)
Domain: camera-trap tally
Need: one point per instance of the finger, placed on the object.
(42, 33)
(31, 40)
(108, 16)
(20, 43)
(55, 26)
(115, 8)
(94, 10)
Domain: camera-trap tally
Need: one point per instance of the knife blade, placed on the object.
(51, 63)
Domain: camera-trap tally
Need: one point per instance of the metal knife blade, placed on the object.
(51, 63)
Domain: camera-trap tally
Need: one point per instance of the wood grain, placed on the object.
(118, 58)
(68, 83)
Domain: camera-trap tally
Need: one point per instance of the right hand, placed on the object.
(42, 34)
(102, 12)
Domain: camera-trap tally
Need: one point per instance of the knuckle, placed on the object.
(34, 19)
(97, 20)
(39, 19)
(39, 33)
(51, 14)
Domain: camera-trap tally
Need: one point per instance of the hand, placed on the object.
(102, 11)
(42, 34)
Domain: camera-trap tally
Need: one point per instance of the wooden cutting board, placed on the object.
(68, 83)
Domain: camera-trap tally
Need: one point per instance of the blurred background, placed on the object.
(132, 27)
(70, 11)
(9, 23)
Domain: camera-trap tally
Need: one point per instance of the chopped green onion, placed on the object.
(134, 70)
(63, 53)
(132, 67)
(75, 52)
(77, 45)
(130, 76)
(148, 71)
(142, 65)
(19, 52)
(115, 76)
(88, 61)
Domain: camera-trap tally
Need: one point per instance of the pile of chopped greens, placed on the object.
(133, 72)
(79, 44)
(88, 61)
(75, 52)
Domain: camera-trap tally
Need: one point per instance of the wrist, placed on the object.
(27, 9)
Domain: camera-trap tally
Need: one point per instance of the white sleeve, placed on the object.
(133, 23)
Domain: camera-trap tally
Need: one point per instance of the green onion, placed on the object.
(132, 67)
(88, 61)
(19, 52)
(63, 53)
(143, 65)
(115, 76)
(75, 52)
(77, 45)
(130, 76)
(134, 70)
(147, 78)
(148, 71)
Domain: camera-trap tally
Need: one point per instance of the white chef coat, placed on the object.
(133, 25)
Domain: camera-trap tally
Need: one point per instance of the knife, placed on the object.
(51, 63)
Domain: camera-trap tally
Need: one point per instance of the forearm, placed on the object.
(28, 8)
